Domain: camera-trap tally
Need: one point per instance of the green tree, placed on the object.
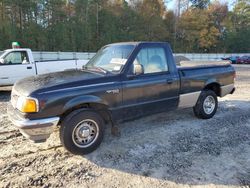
(86, 25)
(151, 16)
(238, 28)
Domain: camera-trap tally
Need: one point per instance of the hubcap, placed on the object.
(85, 133)
(209, 105)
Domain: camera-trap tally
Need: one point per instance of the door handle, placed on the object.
(169, 81)
(29, 67)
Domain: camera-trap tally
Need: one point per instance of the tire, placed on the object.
(82, 131)
(206, 111)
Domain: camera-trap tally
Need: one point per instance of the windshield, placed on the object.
(111, 58)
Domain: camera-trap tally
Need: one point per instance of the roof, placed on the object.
(137, 42)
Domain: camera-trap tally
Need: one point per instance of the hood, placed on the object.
(28, 85)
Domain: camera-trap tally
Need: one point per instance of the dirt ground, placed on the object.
(172, 149)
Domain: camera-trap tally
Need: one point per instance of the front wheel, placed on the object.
(206, 105)
(81, 132)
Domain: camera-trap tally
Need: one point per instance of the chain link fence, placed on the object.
(43, 56)
(208, 57)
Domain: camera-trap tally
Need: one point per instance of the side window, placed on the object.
(153, 60)
(16, 58)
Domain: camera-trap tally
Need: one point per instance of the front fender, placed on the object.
(83, 100)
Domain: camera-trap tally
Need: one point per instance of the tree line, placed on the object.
(86, 25)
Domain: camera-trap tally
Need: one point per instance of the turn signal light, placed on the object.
(27, 105)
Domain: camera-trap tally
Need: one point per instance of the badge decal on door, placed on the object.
(114, 91)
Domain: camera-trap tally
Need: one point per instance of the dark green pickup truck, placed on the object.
(122, 81)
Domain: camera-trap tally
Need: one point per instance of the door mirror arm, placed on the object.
(131, 76)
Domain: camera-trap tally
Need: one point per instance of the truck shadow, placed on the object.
(4, 96)
(177, 147)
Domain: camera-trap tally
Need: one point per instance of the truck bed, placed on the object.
(49, 66)
(194, 76)
(192, 64)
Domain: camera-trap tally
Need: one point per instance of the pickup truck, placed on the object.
(123, 81)
(16, 64)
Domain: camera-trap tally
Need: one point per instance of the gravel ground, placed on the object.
(172, 149)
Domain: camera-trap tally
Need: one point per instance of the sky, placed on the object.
(171, 4)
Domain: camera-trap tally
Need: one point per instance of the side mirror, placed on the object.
(25, 62)
(138, 69)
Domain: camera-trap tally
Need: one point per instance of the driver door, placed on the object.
(156, 90)
(15, 67)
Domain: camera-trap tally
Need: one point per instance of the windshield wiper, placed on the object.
(99, 69)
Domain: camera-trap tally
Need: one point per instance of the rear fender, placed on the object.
(211, 81)
(213, 85)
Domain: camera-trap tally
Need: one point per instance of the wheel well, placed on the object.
(214, 87)
(99, 108)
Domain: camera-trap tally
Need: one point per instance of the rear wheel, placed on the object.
(82, 131)
(206, 105)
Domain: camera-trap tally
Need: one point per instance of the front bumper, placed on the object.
(37, 130)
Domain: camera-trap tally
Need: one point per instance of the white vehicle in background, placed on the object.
(19, 63)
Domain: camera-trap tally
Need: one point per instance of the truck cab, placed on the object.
(16, 64)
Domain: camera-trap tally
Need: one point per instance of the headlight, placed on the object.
(27, 104)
